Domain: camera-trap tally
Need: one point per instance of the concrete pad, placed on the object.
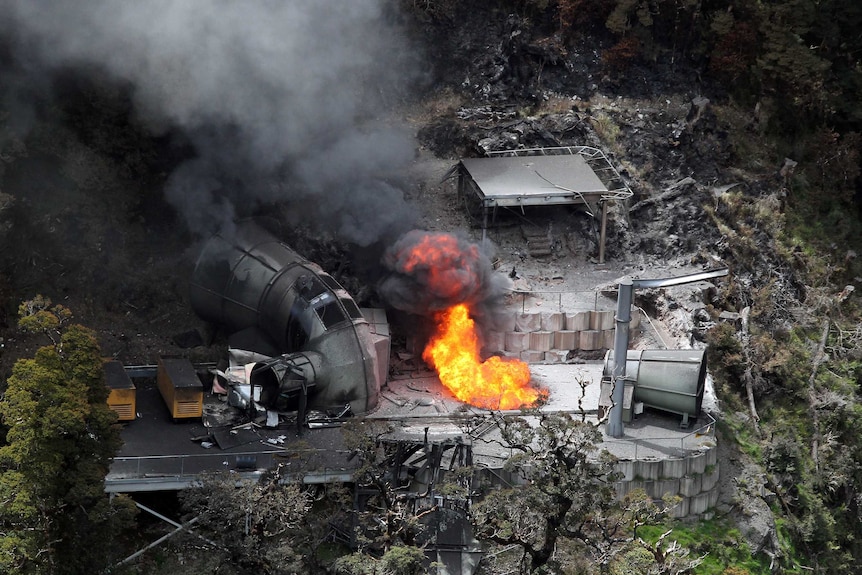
(564, 391)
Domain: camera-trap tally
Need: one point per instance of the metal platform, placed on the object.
(160, 454)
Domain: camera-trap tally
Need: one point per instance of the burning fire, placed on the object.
(492, 384)
(452, 278)
(449, 268)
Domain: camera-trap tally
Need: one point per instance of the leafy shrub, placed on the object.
(621, 55)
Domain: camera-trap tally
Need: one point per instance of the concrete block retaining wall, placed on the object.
(553, 321)
(530, 356)
(556, 332)
(565, 339)
(694, 478)
(528, 322)
(541, 340)
(516, 342)
(578, 321)
(602, 320)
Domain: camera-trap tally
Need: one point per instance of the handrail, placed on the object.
(587, 152)
(650, 445)
(182, 465)
(524, 294)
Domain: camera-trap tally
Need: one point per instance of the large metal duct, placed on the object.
(668, 379)
(253, 280)
(625, 296)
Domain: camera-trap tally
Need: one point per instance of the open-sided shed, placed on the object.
(517, 179)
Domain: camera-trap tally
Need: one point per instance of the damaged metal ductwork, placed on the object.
(327, 350)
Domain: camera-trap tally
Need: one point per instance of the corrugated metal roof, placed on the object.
(534, 180)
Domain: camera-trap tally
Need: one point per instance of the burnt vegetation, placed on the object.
(736, 123)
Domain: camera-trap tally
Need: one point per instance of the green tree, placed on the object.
(387, 516)
(55, 516)
(391, 521)
(566, 496)
(565, 488)
(263, 525)
(398, 560)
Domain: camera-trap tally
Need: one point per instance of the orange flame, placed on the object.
(442, 258)
(496, 383)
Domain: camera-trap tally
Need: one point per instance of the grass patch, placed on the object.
(607, 129)
(742, 433)
(723, 545)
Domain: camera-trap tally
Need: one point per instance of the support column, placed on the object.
(603, 231)
(621, 343)
(484, 222)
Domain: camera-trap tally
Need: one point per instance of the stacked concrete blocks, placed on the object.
(693, 478)
(541, 340)
(553, 321)
(566, 339)
(517, 341)
(549, 337)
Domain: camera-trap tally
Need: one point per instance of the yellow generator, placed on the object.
(122, 391)
(180, 387)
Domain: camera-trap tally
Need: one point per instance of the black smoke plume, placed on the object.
(280, 100)
(431, 271)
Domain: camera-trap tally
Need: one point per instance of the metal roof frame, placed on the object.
(588, 179)
(594, 158)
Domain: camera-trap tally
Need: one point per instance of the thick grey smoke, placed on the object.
(432, 271)
(278, 97)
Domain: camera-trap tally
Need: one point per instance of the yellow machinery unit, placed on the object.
(122, 391)
(180, 387)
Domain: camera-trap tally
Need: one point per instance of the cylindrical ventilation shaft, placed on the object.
(251, 279)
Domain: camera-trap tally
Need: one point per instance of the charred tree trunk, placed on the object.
(553, 525)
(748, 375)
(819, 357)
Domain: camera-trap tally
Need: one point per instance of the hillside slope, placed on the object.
(87, 222)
